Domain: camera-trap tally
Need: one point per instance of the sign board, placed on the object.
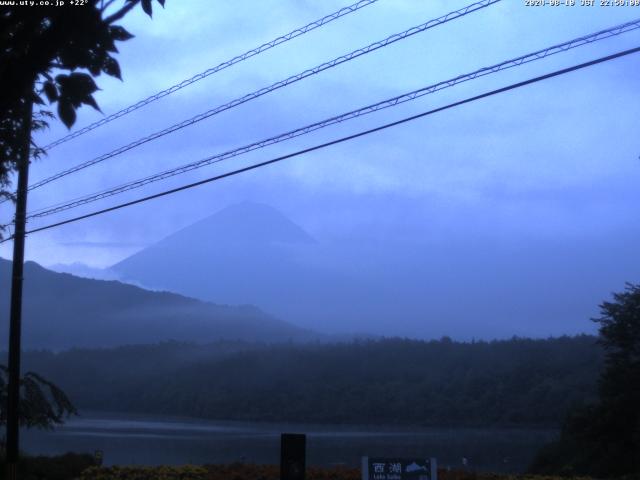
(292, 456)
(378, 468)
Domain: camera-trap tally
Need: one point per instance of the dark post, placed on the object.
(13, 399)
(292, 456)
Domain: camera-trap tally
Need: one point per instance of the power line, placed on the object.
(530, 57)
(226, 64)
(283, 83)
(341, 140)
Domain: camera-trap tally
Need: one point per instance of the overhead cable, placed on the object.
(397, 100)
(282, 83)
(339, 140)
(226, 64)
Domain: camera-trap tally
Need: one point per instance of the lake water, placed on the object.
(153, 440)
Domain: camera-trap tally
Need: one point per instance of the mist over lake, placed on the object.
(153, 440)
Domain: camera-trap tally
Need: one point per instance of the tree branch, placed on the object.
(107, 5)
(122, 12)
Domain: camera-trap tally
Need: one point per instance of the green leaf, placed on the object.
(111, 67)
(94, 69)
(50, 91)
(61, 79)
(107, 41)
(79, 85)
(146, 6)
(75, 89)
(66, 112)
(119, 33)
(37, 99)
(89, 100)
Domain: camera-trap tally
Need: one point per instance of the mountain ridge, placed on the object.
(63, 311)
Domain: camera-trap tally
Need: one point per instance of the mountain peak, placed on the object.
(246, 253)
(247, 222)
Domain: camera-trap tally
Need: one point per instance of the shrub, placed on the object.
(61, 467)
(187, 472)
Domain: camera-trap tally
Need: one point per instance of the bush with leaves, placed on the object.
(42, 403)
(185, 472)
(53, 53)
(603, 439)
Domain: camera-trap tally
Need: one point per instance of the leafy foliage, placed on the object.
(604, 438)
(78, 43)
(42, 404)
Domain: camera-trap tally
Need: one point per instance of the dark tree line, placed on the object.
(393, 381)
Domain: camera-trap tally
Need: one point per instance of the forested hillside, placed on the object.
(62, 311)
(392, 381)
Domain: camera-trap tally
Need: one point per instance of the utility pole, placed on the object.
(13, 400)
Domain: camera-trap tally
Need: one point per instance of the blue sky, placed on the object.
(554, 162)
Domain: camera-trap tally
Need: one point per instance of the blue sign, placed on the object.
(377, 468)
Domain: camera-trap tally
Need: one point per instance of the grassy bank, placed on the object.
(81, 467)
(268, 472)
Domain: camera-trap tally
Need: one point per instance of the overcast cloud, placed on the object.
(553, 163)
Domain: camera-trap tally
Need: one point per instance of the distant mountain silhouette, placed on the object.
(63, 311)
(80, 269)
(415, 285)
(247, 253)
